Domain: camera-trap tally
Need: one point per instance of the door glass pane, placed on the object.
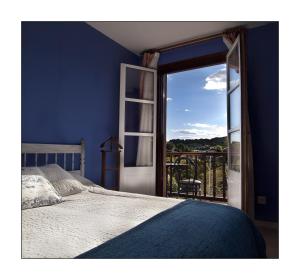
(235, 108)
(234, 68)
(138, 117)
(234, 150)
(138, 151)
(139, 84)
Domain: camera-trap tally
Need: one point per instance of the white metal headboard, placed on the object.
(46, 149)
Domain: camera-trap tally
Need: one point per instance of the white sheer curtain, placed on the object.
(230, 36)
(145, 151)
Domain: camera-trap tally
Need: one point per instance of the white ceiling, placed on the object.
(140, 36)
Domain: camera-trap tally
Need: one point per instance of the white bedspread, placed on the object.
(84, 221)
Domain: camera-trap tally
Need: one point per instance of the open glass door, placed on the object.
(137, 129)
(234, 114)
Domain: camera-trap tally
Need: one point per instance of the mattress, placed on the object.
(84, 221)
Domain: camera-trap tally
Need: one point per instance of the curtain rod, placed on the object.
(185, 43)
(197, 40)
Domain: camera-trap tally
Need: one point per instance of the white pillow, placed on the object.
(37, 191)
(64, 183)
(84, 181)
(32, 171)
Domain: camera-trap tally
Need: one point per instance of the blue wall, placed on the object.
(70, 86)
(263, 90)
(262, 43)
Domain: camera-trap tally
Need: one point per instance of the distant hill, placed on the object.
(186, 145)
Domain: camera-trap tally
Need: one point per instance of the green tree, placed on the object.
(180, 147)
(170, 147)
(218, 148)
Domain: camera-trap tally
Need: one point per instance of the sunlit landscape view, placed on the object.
(197, 129)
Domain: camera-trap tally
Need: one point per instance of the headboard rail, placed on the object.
(50, 148)
(46, 149)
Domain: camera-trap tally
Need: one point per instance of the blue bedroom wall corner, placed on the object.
(70, 86)
(263, 92)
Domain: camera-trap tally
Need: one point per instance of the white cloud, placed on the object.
(186, 132)
(216, 81)
(202, 125)
(200, 130)
(169, 98)
(187, 110)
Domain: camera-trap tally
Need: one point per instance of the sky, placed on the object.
(196, 103)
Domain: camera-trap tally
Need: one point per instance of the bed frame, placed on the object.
(46, 149)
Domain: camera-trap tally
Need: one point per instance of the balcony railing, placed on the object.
(208, 167)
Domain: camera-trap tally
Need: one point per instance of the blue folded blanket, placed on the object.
(191, 229)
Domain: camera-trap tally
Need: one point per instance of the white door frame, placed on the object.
(234, 178)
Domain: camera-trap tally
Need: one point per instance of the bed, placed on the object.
(99, 223)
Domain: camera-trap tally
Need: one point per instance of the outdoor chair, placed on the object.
(185, 176)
